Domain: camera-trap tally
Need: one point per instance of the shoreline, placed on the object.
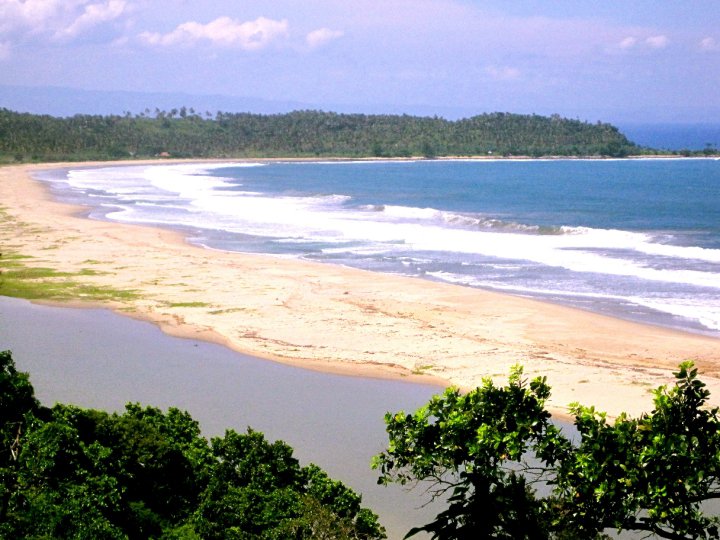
(339, 425)
(369, 159)
(344, 320)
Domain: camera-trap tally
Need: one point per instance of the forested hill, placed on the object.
(184, 133)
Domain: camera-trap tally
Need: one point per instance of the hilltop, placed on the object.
(186, 133)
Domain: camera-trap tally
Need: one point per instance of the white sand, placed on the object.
(338, 319)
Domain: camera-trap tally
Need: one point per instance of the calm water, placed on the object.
(95, 358)
(673, 136)
(637, 239)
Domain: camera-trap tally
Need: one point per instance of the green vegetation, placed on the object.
(183, 133)
(67, 472)
(503, 468)
(507, 472)
(37, 283)
(422, 369)
(188, 304)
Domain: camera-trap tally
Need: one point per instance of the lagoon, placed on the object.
(96, 358)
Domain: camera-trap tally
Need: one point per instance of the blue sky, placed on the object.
(650, 61)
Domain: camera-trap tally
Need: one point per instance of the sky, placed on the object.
(630, 60)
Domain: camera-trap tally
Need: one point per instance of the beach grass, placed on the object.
(188, 304)
(20, 280)
(22, 277)
(228, 310)
(422, 369)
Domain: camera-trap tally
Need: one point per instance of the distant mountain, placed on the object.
(184, 132)
(677, 131)
(64, 102)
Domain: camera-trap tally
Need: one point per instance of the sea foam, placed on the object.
(231, 204)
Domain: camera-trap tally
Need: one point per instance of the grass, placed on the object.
(421, 370)
(20, 279)
(89, 272)
(38, 283)
(188, 304)
(8, 257)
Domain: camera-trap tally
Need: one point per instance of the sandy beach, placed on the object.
(344, 320)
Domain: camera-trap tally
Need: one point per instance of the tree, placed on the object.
(69, 472)
(650, 474)
(17, 399)
(301, 133)
(464, 445)
(510, 473)
(259, 488)
(17, 406)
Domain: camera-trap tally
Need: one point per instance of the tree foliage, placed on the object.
(508, 472)
(68, 472)
(300, 134)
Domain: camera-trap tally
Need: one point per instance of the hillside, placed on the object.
(185, 133)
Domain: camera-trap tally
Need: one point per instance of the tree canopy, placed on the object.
(68, 472)
(507, 471)
(183, 133)
(494, 455)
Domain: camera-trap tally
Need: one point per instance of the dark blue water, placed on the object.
(638, 239)
(642, 195)
(673, 136)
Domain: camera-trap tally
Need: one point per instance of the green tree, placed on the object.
(17, 407)
(300, 133)
(649, 474)
(17, 400)
(64, 489)
(69, 472)
(258, 488)
(491, 449)
(471, 447)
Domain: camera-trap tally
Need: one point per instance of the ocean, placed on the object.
(635, 239)
(673, 136)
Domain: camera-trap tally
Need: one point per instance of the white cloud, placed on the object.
(30, 14)
(57, 18)
(628, 43)
(92, 15)
(709, 44)
(652, 42)
(503, 73)
(223, 31)
(321, 36)
(657, 42)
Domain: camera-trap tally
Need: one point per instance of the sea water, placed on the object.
(636, 239)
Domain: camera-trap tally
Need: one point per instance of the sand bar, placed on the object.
(338, 319)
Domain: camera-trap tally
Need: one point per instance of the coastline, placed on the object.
(344, 320)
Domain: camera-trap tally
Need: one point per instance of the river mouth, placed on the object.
(96, 358)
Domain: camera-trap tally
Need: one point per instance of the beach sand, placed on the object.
(338, 319)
